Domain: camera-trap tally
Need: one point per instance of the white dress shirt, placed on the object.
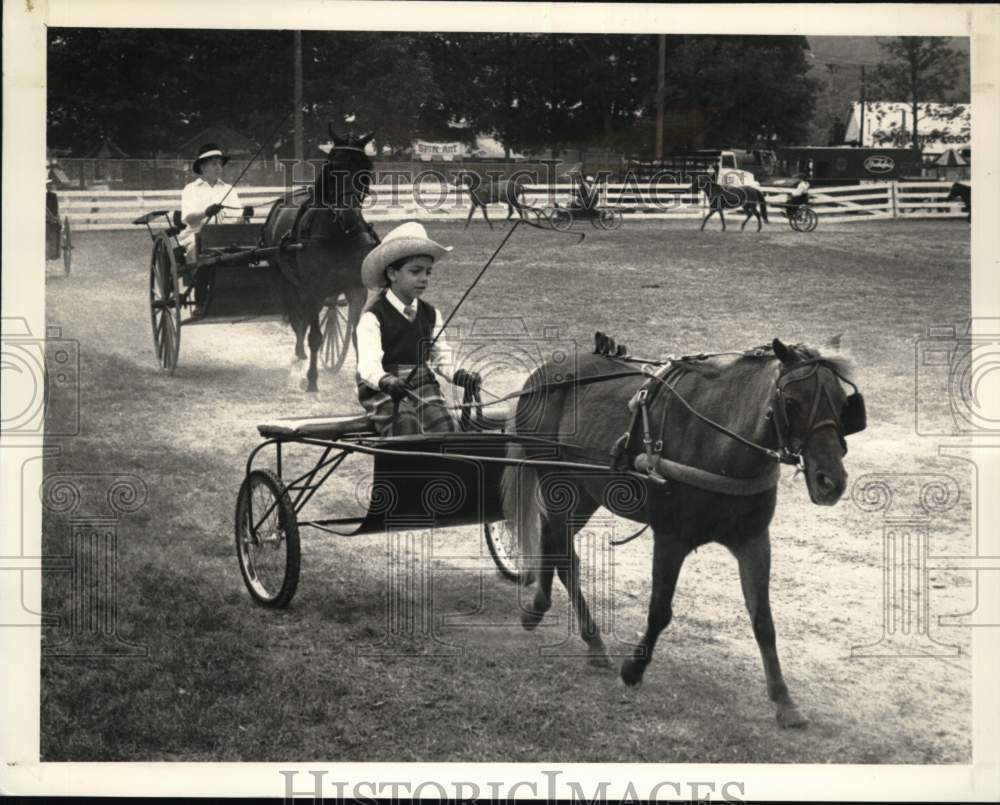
(370, 353)
(196, 197)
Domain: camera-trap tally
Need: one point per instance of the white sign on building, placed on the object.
(940, 126)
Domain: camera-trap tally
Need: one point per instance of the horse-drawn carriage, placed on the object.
(232, 278)
(58, 234)
(301, 265)
(562, 218)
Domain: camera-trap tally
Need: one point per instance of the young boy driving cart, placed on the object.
(398, 354)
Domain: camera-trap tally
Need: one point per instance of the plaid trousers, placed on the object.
(428, 415)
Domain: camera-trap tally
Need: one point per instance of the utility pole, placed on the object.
(864, 92)
(298, 95)
(661, 85)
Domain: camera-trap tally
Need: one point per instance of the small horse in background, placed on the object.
(723, 423)
(731, 197)
(335, 237)
(962, 192)
(483, 192)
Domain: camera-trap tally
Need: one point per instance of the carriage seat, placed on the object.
(331, 427)
(335, 427)
(228, 237)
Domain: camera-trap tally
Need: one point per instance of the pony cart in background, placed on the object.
(58, 234)
(562, 218)
(801, 217)
(232, 278)
(303, 265)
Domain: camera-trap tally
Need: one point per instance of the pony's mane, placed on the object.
(840, 363)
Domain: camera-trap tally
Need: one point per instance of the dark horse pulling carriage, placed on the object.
(695, 444)
(302, 264)
(752, 201)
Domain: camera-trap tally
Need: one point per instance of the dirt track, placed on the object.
(225, 680)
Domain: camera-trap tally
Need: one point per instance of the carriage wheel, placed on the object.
(502, 544)
(165, 305)
(267, 539)
(336, 332)
(805, 219)
(67, 246)
(561, 219)
(610, 219)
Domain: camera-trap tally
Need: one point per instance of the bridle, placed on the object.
(850, 420)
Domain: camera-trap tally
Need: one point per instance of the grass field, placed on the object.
(328, 679)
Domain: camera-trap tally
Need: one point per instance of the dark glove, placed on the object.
(470, 381)
(212, 210)
(395, 387)
(248, 212)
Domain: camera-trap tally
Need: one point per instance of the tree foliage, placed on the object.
(918, 69)
(150, 90)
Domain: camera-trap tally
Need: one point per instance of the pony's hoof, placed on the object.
(791, 717)
(529, 620)
(631, 673)
(600, 659)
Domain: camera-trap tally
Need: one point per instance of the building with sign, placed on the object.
(881, 124)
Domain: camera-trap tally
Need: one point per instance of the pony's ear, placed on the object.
(364, 139)
(783, 353)
(337, 139)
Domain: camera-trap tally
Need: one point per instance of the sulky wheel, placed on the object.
(336, 331)
(610, 219)
(502, 543)
(267, 539)
(561, 219)
(67, 246)
(165, 304)
(805, 219)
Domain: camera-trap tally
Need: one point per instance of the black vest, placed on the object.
(403, 342)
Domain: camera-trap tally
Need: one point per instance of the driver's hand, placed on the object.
(212, 210)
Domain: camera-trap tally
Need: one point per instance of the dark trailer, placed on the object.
(829, 166)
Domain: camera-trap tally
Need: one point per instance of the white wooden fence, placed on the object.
(116, 209)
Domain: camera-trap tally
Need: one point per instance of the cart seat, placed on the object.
(331, 427)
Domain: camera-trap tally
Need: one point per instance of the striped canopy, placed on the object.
(951, 159)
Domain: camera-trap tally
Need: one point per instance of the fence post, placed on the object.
(892, 196)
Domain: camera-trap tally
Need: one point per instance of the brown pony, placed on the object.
(335, 237)
(720, 426)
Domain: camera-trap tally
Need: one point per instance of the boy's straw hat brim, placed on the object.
(406, 240)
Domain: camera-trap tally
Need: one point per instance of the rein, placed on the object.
(254, 157)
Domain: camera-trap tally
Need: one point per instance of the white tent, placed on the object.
(939, 125)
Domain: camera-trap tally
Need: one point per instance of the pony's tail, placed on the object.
(523, 510)
(763, 208)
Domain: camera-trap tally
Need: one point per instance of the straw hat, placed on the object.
(406, 240)
(207, 151)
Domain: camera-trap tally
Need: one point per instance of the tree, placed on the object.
(742, 88)
(385, 81)
(918, 68)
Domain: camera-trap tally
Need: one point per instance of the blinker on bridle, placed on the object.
(852, 417)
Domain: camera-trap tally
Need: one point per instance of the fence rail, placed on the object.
(116, 209)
